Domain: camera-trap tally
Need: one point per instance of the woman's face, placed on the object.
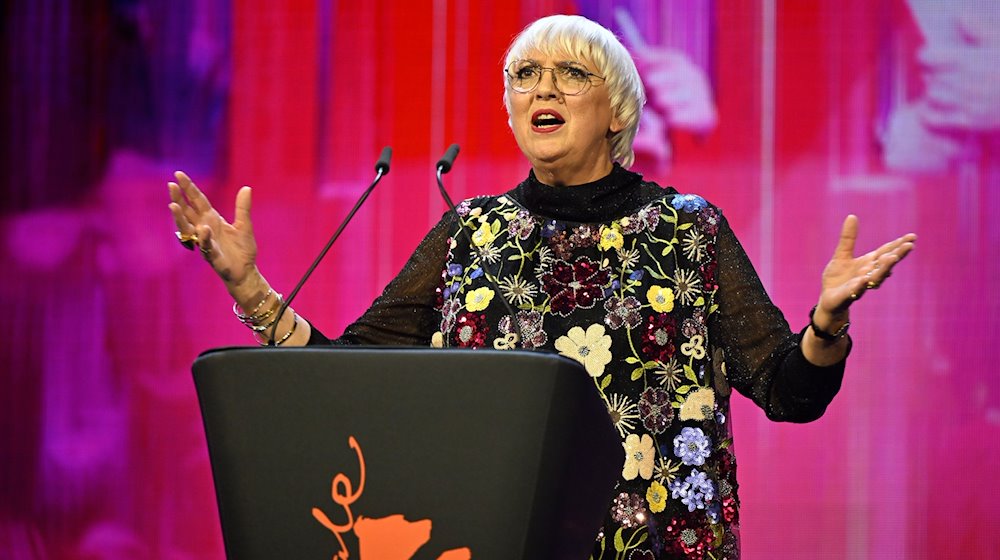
(567, 138)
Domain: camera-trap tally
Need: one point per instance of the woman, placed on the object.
(647, 288)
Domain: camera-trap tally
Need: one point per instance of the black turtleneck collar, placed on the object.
(618, 194)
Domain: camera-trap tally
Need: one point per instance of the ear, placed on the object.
(616, 125)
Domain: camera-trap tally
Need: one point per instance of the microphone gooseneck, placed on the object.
(443, 166)
(381, 170)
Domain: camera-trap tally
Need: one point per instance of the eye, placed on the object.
(526, 72)
(574, 73)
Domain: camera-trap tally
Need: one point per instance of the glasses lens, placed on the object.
(572, 80)
(523, 75)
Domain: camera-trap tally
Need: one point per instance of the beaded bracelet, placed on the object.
(823, 334)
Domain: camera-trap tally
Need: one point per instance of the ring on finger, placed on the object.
(872, 285)
(187, 240)
(205, 251)
(854, 295)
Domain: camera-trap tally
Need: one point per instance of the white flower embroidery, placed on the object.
(591, 348)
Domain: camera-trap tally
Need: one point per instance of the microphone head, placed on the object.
(448, 159)
(382, 165)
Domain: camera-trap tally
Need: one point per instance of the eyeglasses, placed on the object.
(569, 77)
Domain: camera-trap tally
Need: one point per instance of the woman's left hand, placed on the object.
(846, 278)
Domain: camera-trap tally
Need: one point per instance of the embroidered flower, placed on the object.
(688, 202)
(670, 374)
(656, 497)
(521, 225)
(531, 328)
(698, 405)
(585, 235)
(658, 339)
(691, 327)
(575, 285)
(639, 456)
(694, 245)
(688, 286)
(655, 408)
(692, 446)
(695, 347)
(611, 238)
(484, 235)
(591, 348)
(463, 208)
(629, 259)
(646, 218)
(709, 220)
(551, 228)
(437, 340)
(622, 311)
(478, 299)
(449, 312)
(517, 290)
(694, 491)
(629, 510)
(707, 272)
(660, 298)
(665, 470)
(490, 253)
(623, 413)
(471, 330)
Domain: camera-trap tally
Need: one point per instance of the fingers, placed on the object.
(848, 238)
(197, 199)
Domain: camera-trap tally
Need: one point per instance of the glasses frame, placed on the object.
(541, 71)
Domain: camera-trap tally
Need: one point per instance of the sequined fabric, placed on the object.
(651, 292)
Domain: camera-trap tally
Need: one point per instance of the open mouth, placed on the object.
(546, 120)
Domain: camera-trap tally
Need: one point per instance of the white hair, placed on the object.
(577, 36)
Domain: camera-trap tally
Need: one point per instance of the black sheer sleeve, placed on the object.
(404, 314)
(764, 359)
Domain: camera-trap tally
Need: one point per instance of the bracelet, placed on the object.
(252, 316)
(823, 334)
(256, 318)
(280, 341)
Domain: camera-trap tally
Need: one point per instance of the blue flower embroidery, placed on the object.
(692, 446)
(695, 492)
(688, 202)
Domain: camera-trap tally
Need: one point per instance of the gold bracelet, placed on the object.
(252, 316)
(256, 319)
(287, 335)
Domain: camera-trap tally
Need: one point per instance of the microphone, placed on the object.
(443, 166)
(381, 170)
(448, 159)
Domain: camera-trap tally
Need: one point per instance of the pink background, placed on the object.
(822, 108)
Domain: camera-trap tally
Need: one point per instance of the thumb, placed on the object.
(848, 237)
(243, 201)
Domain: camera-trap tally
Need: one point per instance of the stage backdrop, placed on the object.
(788, 115)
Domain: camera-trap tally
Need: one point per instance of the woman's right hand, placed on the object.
(230, 248)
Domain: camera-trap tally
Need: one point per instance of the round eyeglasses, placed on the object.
(569, 78)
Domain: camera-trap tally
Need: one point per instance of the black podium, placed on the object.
(502, 454)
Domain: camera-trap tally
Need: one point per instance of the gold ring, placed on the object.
(205, 251)
(872, 285)
(188, 241)
(854, 295)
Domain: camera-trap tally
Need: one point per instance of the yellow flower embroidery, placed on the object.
(638, 457)
(662, 299)
(591, 348)
(656, 496)
(611, 238)
(484, 235)
(478, 299)
(699, 404)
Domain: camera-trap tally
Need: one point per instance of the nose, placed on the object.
(547, 87)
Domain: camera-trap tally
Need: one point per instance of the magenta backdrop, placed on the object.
(788, 115)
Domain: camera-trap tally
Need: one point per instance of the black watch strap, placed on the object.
(823, 334)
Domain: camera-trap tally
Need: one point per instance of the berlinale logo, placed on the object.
(385, 538)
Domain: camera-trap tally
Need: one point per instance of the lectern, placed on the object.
(406, 453)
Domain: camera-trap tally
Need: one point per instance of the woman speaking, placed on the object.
(646, 287)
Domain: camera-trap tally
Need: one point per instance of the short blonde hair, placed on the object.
(579, 37)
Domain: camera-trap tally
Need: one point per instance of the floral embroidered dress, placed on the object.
(651, 292)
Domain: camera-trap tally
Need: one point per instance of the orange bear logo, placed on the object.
(385, 538)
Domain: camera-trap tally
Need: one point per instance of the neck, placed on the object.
(555, 175)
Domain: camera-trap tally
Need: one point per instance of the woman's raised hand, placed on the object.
(846, 277)
(229, 247)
